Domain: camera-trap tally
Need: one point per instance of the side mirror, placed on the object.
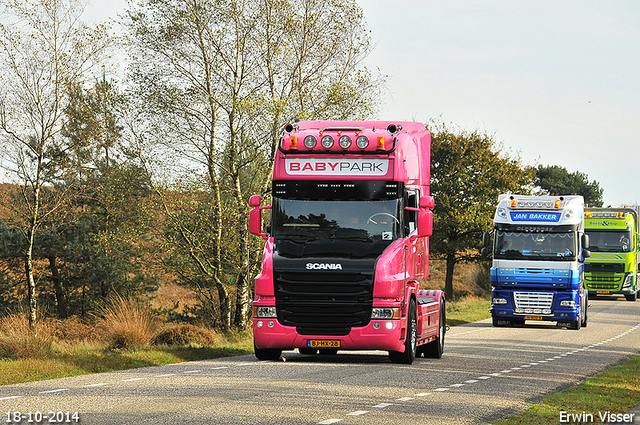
(255, 216)
(585, 241)
(426, 202)
(425, 222)
(586, 253)
(486, 239)
(485, 252)
(254, 201)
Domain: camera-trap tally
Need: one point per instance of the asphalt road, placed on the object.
(485, 373)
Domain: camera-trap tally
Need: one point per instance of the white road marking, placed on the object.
(133, 379)
(422, 394)
(471, 381)
(11, 397)
(382, 405)
(165, 375)
(329, 421)
(95, 385)
(358, 413)
(404, 399)
(54, 391)
(192, 371)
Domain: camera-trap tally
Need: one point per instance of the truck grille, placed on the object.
(323, 303)
(533, 299)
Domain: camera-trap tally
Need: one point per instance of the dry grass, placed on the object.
(128, 323)
(17, 341)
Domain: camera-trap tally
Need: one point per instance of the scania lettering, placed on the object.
(539, 247)
(347, 244)
(615, 250)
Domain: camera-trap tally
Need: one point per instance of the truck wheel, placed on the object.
(631, 297)
(575, 325)
(435, 348)
(266, 353)
(411, 339)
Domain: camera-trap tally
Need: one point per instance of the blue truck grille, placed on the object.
(529, 300)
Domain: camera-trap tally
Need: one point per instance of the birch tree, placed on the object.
(44, 49)
(219, 80)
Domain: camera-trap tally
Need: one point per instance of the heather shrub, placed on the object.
(184, 334)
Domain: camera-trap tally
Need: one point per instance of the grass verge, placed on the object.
(467, 310)
(614, 391)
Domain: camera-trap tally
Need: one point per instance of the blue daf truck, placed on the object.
(539, 247)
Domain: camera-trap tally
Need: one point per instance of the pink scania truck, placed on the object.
(347, 243)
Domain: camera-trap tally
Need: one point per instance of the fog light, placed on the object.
(259, 323)
(520, 310)
(376, 325)
(271, 323)
(546, 311)
(388, 325)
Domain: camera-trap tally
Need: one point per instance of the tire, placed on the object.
(631, 297)
(435, 348)
(586, 308)
(266, 353)
(411, 339)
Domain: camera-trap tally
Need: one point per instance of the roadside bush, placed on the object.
(127, 323)
(18, 342)
(184, 334)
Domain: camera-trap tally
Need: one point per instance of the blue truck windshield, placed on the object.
(535, 246)
(609, 240)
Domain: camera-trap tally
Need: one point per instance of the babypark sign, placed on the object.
(337, 167)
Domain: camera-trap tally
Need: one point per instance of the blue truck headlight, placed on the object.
(499, 301)
(568, 303)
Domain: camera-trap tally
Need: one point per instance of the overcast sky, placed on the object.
(557, 81)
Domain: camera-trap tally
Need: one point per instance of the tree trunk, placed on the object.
(448, 280)
(61, 301)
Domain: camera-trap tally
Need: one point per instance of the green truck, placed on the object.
(615, 246)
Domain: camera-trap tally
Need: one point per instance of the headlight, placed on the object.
(499, 300)
(501, 212)
(310, 142)
(568, 214)
(344, 142)
(327, 142)
(385, 313)
(362, 142)
(627, 281)
(568, 303)
(264, 312)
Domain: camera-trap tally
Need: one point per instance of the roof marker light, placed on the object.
(310, 142)
(514, 203)
(557, 204)
(327, 142)
(344, 142)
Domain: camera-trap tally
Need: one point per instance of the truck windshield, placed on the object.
(535, 246)
(353, 228)
(609, 240)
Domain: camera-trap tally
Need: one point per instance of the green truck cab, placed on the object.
(614, 244)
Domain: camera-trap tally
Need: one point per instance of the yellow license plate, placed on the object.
(323, 343)
(533, 317)
(603, 292)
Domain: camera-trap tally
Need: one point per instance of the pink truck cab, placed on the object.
(347, 244)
